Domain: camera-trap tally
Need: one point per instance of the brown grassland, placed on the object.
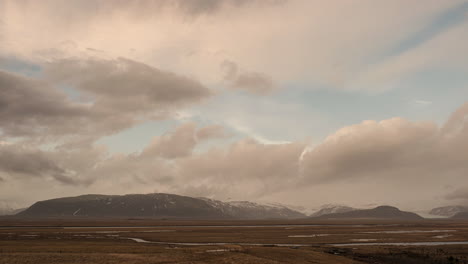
(165, 241)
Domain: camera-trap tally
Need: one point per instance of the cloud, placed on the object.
(178, 143)
(127, 84)
(98, 69)
(391, 149)
(457, 121)
(211, 132)
(458, 194)
(252, 82)
(29, 107)
(369, 149)
(20, 161)
(316, 44)
(246, 166)
(112, 95)
(413, 159)
(181, 142)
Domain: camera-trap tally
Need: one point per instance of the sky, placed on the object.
(300, 102)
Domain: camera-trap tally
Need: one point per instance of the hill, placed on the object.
(448, 211)
(156, 205)
(332, 209)
(380, 212)
(460, 215)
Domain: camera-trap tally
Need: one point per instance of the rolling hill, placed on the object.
(380, 212)
(155, 205)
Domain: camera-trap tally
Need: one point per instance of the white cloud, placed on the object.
(317, 42)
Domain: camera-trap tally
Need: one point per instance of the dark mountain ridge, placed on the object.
(448, 211)
(380, 212)
(460, 215)
(155, 205)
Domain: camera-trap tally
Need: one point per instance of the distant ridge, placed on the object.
(460, 215)
(448, 211)
(332, 209)
(155, 205)
(380, 212)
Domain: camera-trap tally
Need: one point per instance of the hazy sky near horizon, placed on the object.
(304, 102)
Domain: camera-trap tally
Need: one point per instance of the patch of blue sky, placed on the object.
(137, 137)
(269, 119)
(439, 93)
(74, 94)
(15, 65)
(441, 22)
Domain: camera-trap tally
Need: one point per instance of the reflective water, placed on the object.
(403, 244)
(139, 240)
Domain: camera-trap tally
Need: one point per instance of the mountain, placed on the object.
(460, 215)
(380, 212)
(245, 209)
(157, 205)
(132, 205)
(448, 211)
(332, 209)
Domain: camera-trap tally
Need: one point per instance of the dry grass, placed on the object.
(107, 245)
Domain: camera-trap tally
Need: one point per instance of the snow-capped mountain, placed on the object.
(251, 210)
(448, 211)
(332, 209)
(379, 212)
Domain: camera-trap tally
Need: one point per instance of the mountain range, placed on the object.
(161, 205)
(380, 212)
(156, 205)
(332, 209)
(448, 211)
(460, 215)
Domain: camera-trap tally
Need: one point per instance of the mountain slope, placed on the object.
(252, 210)
(448, 211)
(133, 205)
(460, 215)
(155, 205)
(332, 209)
(381, 212)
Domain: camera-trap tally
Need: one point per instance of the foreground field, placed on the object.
(145, 241)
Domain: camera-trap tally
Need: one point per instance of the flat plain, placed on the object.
(166, 241)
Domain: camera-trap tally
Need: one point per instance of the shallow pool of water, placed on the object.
(403, 244)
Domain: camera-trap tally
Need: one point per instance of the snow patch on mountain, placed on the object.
(448, 211)
(332, 209)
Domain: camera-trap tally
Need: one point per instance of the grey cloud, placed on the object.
(30, 107)
(126, 83)
(369, 148)
(169, 164)
(181, 142)
(456, 121)
(389, 151)
(19, 161)
(393, 148)
(140, 9)
(393, 151)
(252, 82)
(246, 166)
(211, 132)
(119, 94)
(461, 193)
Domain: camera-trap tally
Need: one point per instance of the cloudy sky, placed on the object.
(303, 102)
